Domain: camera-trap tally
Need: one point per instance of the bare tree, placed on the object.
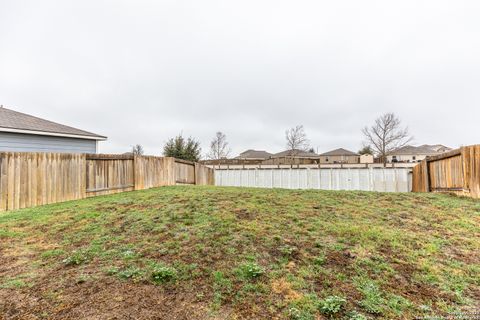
(386, 135)
(137, 150)
(296, 139)
(219, 147)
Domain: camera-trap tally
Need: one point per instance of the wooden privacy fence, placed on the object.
(33, 179)
(457, 171)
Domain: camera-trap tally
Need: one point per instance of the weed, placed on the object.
(222, 286)
(297, 314)
(355, 315)
(373, 300)
(77, 257)
(287, 250)
(14, 283)
(250, 270)
(162, 273)
(112, 271)
(52, 253)
(320, 260)
(398, 303)
(332, 305)
(131, 272)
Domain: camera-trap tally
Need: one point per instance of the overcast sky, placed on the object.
(144, 71)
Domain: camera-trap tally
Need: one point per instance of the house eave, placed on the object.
(53, 134)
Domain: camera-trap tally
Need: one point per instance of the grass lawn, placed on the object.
(230, 253)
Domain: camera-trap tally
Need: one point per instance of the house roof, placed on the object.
(413, 150)
(437, 147)
(254, 154)
(295, 153)
(339, 152)
(13, 121)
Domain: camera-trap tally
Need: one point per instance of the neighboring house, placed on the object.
(248, 157)
(292, 157)
(416, 154)
(20, 132)
(440, 148)
(339, 156)
(296, 153)
(254, 155)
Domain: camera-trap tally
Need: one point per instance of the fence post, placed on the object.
(466, 178)
(427, 176)
(134, 172)
(195, 180)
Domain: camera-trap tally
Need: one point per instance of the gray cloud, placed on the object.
(143, 71)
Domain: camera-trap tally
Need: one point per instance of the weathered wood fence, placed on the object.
(457, 171)
(33, 179)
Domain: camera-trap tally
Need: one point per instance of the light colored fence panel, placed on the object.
(184, 172)
(378, 179)
(32, 179)
(203, 175)
(107, 174)
(152, 172)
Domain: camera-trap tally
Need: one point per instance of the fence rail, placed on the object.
(33, 179)
(456, 172)
(378, 179)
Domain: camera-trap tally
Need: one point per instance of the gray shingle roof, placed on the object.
(296, 153)
(412, 150)
(339, 152)
(437, 147)
(254, 154)
(10, 119)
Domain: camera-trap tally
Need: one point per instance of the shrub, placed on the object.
(332, 305)
(250, 270)
(162, 273)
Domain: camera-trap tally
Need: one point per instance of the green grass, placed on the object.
(253, 253)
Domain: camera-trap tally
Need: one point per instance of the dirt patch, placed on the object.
(106, 298)
(244, 214)
(339, 259)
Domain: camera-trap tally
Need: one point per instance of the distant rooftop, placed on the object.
(339, 152)
(254, 154)
(14, 121)
(296, 153)
(421, 150)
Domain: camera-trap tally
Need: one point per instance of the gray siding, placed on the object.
(19, 142)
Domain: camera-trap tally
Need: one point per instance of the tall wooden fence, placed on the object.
(33, 179)
(457, 171)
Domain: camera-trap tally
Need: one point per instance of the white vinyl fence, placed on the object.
(367, 179)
